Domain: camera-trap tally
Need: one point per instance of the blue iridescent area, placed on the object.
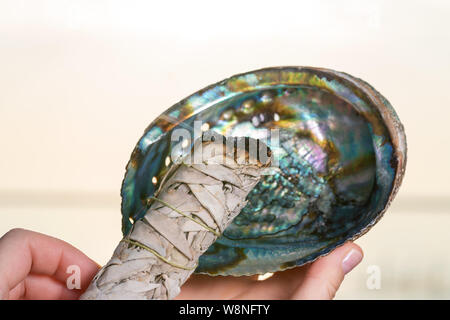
(341, 153)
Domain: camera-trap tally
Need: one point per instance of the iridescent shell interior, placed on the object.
(341, 157)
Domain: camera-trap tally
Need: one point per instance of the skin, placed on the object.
(33, 266)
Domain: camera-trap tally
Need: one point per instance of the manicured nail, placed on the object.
(351, 260)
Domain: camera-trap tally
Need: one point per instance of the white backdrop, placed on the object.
(81, 80)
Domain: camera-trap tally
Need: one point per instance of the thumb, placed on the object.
(325, 275)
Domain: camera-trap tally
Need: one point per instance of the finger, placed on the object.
(40, 287)
(325, 275)
(17, 292)
(23, 252)
(214, 287)
(279, 286)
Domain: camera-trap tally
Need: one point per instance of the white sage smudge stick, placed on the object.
(195, 203)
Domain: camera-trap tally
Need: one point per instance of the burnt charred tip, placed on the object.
(241, 149)
(212, 136)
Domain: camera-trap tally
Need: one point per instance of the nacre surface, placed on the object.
(341, 158)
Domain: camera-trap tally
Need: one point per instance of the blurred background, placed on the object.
(81, 80)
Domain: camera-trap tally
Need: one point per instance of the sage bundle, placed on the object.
(193, 206)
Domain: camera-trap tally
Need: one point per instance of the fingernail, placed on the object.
(351, 260)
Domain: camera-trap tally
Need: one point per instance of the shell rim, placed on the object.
(388, 114)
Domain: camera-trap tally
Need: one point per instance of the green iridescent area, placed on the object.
(340, 150)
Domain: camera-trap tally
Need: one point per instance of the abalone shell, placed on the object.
(341, 151)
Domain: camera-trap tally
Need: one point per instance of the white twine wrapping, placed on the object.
(194, 205)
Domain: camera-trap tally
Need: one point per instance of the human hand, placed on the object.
(318, 280)
(33, 266)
